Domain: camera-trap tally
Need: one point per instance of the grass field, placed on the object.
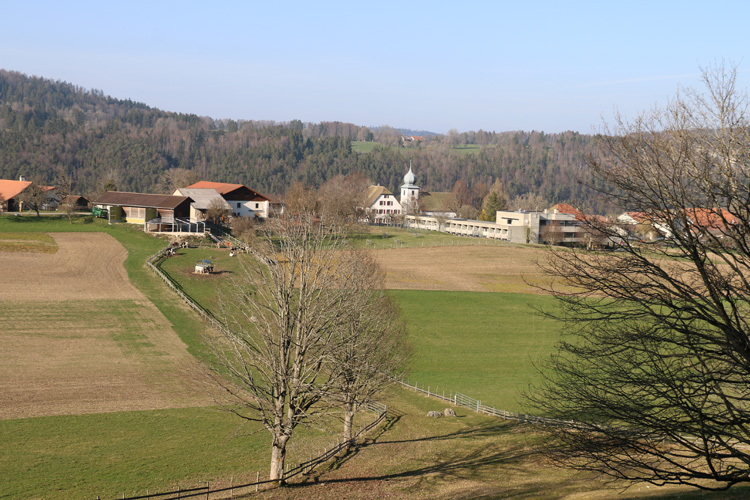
(462, 340)
(484, 345)
(27, 242)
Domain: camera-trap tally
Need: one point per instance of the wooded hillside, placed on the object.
(50, 127)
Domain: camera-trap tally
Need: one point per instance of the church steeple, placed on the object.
(409, 190)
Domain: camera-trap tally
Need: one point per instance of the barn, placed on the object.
(157, 212)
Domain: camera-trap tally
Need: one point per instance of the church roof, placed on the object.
(409, 178)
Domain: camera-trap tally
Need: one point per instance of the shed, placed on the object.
(204, 266)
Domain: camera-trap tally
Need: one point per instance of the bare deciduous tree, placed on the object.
(284, 320)
(657, 364)
(371, 347)
(529, 202)
(33, 197)
(342, 198)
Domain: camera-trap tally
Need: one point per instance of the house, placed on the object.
(74, 201)
(650, 226)
(157, 212)
(244, 202)
(381, 205)
(203, 200)
(12, 194)
(714, 221)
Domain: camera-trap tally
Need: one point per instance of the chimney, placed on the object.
(22, 178)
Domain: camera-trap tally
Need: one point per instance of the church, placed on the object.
(382, 205)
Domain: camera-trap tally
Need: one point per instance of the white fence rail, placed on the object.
(458, 399)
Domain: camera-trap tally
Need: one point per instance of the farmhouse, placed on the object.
(381, 205)
(10, 192)
(12, 195)
(244, 202)
(157, 212)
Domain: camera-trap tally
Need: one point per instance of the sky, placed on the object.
(499, 65)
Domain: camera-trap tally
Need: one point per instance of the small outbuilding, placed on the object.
(204, 267)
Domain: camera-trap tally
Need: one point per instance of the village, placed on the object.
(188, 210)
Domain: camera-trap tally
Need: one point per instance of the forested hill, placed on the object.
(50, 127)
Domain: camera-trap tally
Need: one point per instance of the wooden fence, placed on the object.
(458, 399)
(290, 471)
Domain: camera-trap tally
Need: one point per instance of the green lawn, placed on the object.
(483, 345)
(364, 146)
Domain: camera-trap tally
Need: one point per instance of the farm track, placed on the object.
(78, 337)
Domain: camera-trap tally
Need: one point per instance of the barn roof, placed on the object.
(125, 199)
(203, 198)
(11, 189)
(233, 191)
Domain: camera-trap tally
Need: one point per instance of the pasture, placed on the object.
(135, 329)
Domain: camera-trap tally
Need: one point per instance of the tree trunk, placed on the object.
(278, 457)
(348, 421)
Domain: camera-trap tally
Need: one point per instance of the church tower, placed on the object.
(409, 192)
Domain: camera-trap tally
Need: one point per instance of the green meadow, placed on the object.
(481, 344)
(484, 345)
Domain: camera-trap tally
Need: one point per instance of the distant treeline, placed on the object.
(51, 127)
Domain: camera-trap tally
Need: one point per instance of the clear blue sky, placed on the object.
(500, 65)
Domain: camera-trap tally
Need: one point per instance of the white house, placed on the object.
(381, 205)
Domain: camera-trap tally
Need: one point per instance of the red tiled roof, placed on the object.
(564, 208)
(710, 218)
(11, 189)
(225, 189)
(220, 187)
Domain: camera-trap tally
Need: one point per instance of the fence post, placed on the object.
(231, 486)
(208, 489)
(454, 399)
(257, 480)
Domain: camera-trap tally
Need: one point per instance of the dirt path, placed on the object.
(77, 337)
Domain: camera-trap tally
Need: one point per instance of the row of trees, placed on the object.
(308, 329)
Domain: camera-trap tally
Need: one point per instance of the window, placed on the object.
(238, 204)
(257, 205)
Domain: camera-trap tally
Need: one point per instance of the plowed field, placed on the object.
(466, 269)
(77, 337)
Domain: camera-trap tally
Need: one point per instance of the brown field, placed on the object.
(77, 337)
(471, 268)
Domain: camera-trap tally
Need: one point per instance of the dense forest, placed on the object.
(52, 128)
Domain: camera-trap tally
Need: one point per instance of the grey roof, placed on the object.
(124, 199)
(203, 198)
